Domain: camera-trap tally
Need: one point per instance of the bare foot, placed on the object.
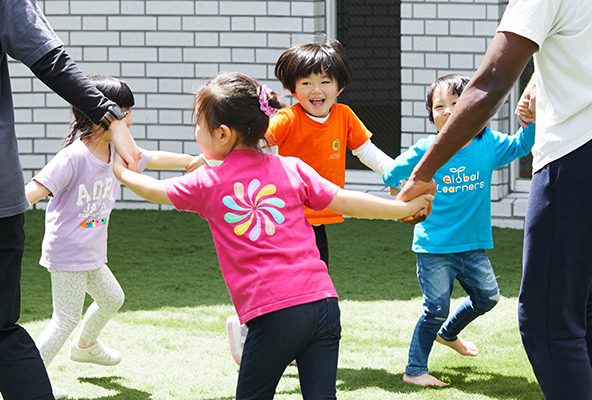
(460, 346)
(424, 380)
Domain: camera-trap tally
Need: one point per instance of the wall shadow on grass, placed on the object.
(111, 383)
(167, 258)
(492, 385)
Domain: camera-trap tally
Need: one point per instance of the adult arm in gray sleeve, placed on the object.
(61, 74)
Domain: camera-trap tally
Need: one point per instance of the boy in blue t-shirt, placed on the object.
(450, 244)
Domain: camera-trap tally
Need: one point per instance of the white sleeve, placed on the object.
(372, 157)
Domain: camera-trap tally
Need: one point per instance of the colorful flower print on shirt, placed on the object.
(94, 223)
(254, 208)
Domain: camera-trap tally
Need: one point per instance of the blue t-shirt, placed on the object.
(26, 36)
(461, 216)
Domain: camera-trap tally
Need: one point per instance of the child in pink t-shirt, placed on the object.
(254, 204)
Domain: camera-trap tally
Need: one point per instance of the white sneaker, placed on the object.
(237, 334)
(58, 393)
(96, 354)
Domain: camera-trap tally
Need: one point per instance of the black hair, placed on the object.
(115, 90)
(455, 84)
(313, 58)
(232, 99)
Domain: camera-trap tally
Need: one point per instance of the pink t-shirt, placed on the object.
(83, 192)
(254, 204)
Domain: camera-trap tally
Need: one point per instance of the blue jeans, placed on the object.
(555, 303)
(308, 333)
(436, 274)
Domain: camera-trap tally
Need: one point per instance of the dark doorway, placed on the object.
(370, 32)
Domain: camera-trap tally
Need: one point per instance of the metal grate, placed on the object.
(370, 32)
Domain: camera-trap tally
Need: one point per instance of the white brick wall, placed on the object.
(163, 50)
(440, 37)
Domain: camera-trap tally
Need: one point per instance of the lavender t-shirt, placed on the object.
(254, 204)
(83, 190)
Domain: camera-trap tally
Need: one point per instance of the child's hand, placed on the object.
(421, 203)
(394, 191)
(526, 107)
(525, 111)
(412, 190)
(194, 164)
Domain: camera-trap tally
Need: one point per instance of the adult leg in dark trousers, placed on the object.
(22, 373)
(322, 242)
(554, 304)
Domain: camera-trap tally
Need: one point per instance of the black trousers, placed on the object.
(555, 304)
(322, 243)
(22, 373)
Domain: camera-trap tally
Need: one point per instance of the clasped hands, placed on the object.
(411, 190)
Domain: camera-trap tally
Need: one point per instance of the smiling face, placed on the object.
(443, 102)
(316, 93)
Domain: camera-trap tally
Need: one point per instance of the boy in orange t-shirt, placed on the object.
(316, 129)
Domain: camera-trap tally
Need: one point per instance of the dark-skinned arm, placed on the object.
(502, 65)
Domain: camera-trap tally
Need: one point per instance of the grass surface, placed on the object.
(171, 329)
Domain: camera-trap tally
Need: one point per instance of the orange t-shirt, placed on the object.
(320, 145)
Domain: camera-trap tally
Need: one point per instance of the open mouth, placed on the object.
(317, 102)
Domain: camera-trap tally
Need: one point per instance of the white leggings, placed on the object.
(68, 290)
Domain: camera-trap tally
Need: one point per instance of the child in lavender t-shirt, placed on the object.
(254, 204)
(83, 190)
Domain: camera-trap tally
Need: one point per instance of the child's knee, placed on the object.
(113, 302)
(436, 311)
(119, 300)
(66, 322)
(490, 302)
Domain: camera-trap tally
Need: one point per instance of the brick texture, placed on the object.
(440, 37)
(166, 49)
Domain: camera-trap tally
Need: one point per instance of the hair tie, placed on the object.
(264, 106)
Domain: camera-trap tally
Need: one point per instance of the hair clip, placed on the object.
(264, 106)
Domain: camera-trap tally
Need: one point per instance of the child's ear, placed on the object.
(224, 134)
(339, 92)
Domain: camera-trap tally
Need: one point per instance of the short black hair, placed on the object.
(455, 84)
(313, 58)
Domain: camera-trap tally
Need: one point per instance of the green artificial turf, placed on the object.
(171, 329)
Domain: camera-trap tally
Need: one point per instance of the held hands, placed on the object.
(420, 203)
(412, 189)
(526, 107)
(525, 111)
(195, 163)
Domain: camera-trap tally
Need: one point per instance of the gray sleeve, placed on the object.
(61, 74)
(25, 34)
